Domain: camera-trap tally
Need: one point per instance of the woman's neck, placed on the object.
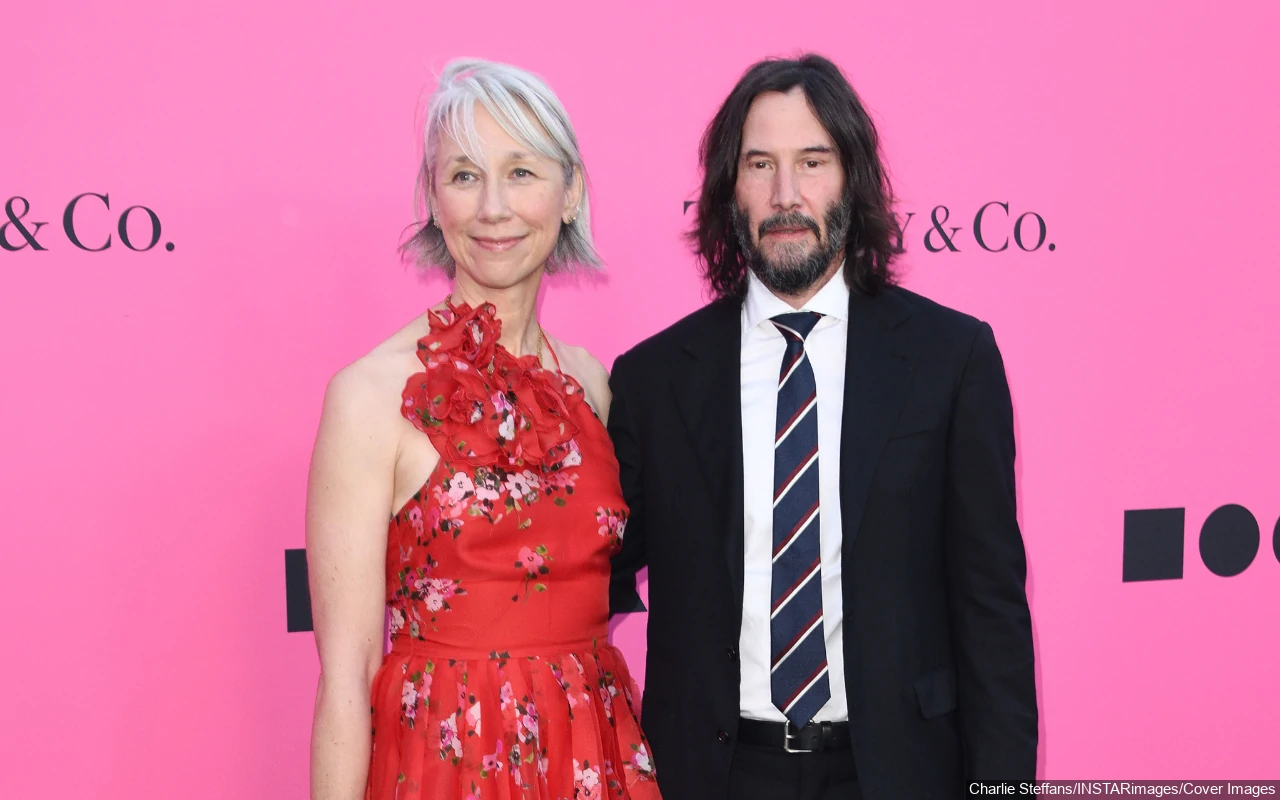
(517, 308)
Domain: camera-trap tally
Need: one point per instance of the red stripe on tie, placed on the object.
(800, 412)
(804, 462)
(804, 684)
(808, 515)
(787, 367)
(791, 589)
(803, 630)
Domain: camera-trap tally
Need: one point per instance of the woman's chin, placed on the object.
(501, 274)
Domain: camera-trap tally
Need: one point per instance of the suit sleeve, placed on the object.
(623, 597)
(986, 575)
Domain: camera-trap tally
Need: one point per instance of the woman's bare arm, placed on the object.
(349, 498)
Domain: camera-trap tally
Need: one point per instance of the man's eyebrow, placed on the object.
(815, 148)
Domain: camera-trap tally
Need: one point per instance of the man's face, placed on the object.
(789, 215)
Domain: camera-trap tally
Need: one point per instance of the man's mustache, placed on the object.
(792, 219)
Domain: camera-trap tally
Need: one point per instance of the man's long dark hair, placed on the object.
(871, 242)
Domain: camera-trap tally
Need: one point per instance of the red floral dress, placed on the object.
(500, 682)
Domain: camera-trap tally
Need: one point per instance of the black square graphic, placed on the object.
(1153, 544)
(297, 593)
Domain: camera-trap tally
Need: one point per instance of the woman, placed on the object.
(480, 438)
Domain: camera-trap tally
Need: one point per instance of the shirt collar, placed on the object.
(832, 300)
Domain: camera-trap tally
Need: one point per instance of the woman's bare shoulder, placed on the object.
(361, 388)
(587, 370)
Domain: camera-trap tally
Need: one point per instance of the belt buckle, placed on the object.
(787, 737)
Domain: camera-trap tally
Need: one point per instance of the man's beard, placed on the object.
(793, 271)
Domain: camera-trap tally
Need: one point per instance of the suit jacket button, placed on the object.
(723, 737)
(732, 652)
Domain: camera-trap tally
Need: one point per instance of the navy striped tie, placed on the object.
(798, 644)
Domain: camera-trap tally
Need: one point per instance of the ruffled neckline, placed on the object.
(480, 404)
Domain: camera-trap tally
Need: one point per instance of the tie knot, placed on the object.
(796, 325)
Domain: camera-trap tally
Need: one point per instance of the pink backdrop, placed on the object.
(159, 407)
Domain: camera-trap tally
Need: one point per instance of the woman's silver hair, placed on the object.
(530, 112)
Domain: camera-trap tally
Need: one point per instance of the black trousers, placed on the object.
(766, 773)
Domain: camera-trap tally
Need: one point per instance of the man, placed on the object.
(820, 470)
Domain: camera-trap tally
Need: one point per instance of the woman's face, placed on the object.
(502, 221)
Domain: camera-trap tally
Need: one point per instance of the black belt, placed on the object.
(816, 737)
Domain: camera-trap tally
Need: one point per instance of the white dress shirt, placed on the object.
(762, 350)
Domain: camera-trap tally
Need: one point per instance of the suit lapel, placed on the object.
(878, 368)
(707, 387)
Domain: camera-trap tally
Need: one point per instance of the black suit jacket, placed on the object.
(939, 662)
